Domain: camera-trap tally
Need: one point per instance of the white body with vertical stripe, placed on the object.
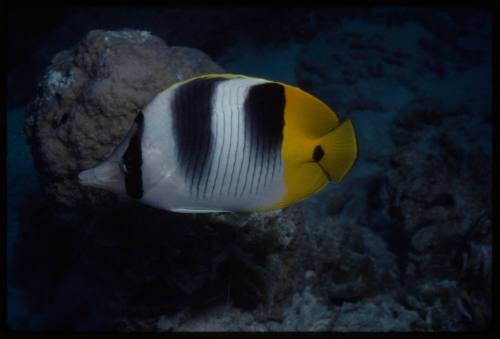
(234, 180)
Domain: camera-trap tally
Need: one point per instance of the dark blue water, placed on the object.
(22, 179)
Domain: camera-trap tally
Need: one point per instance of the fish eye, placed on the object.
(318, 153)
(123, 167)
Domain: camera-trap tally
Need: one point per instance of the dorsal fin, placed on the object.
(209, 76)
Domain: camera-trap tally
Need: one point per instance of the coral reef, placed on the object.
(446, 213)
(424, 171)
(352, 263)
(89, 96)
(129, 261)
(380, 314)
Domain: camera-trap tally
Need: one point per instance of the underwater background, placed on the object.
(403, 243)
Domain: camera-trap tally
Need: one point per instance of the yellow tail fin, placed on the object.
(340, 149)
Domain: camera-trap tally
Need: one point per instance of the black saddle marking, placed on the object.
(192, 116)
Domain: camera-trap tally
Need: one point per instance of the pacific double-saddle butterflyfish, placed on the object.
(224, 142)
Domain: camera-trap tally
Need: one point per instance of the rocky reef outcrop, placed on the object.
(88, 97)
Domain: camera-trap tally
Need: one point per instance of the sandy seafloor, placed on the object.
(468, 91)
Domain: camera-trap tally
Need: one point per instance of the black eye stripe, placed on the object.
(318, 153)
